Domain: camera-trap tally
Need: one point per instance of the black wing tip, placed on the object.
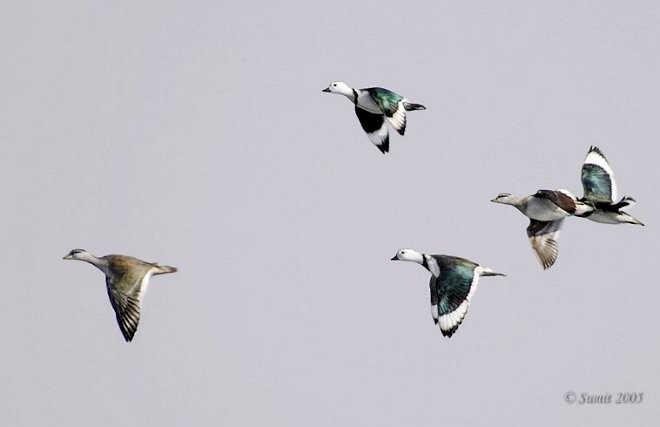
(595, 149)
(128, 325)
(128, 335)
(384, 147)
(450, 332)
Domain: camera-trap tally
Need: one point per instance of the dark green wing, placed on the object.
(597, 184)
(453, 289)
(387, 100)
(598, 178)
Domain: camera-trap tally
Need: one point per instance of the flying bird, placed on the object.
(453, 283)
(126, 279)
(600, 191)
(546, 210)
(372, 106)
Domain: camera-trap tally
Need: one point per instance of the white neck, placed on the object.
(514, 201)
(351, 96)
(99, 263)
(426, 261)
(344, 89)
(414, 256)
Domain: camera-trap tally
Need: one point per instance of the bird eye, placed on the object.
(334, 84)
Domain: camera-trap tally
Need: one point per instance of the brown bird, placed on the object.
(126, 279)
(546, 210)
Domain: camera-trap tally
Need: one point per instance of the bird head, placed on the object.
(505, 198)
(340, 88)
(76, 254)
(408, 255)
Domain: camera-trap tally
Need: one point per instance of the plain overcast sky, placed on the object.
(195, 134)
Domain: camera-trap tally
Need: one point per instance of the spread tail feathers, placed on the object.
(409, 106)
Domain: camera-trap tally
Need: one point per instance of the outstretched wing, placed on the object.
(375, 127)
(125, 292)
(392, 105)
(450, 296)
(543, 237)
(387, 100)
(598, 178)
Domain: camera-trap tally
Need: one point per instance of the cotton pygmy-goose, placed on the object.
(600, 191)
(546, 210)
(372, 106)
(126, 279)
(453, 283)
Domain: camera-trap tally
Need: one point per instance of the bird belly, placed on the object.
(605, 217)
(544, 210)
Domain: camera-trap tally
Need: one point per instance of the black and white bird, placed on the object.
(453, 284)
(126, 279)
(600, 191)
(546, 210)
(372, 106)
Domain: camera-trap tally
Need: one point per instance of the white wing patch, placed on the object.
(568, 193)
(434, 268)
(434, 313)
(140, 289)
(379, 137)
(398, 119)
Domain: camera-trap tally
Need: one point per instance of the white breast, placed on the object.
(366, 102)
(544, 210)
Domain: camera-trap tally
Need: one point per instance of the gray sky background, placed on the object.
(195, 134)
